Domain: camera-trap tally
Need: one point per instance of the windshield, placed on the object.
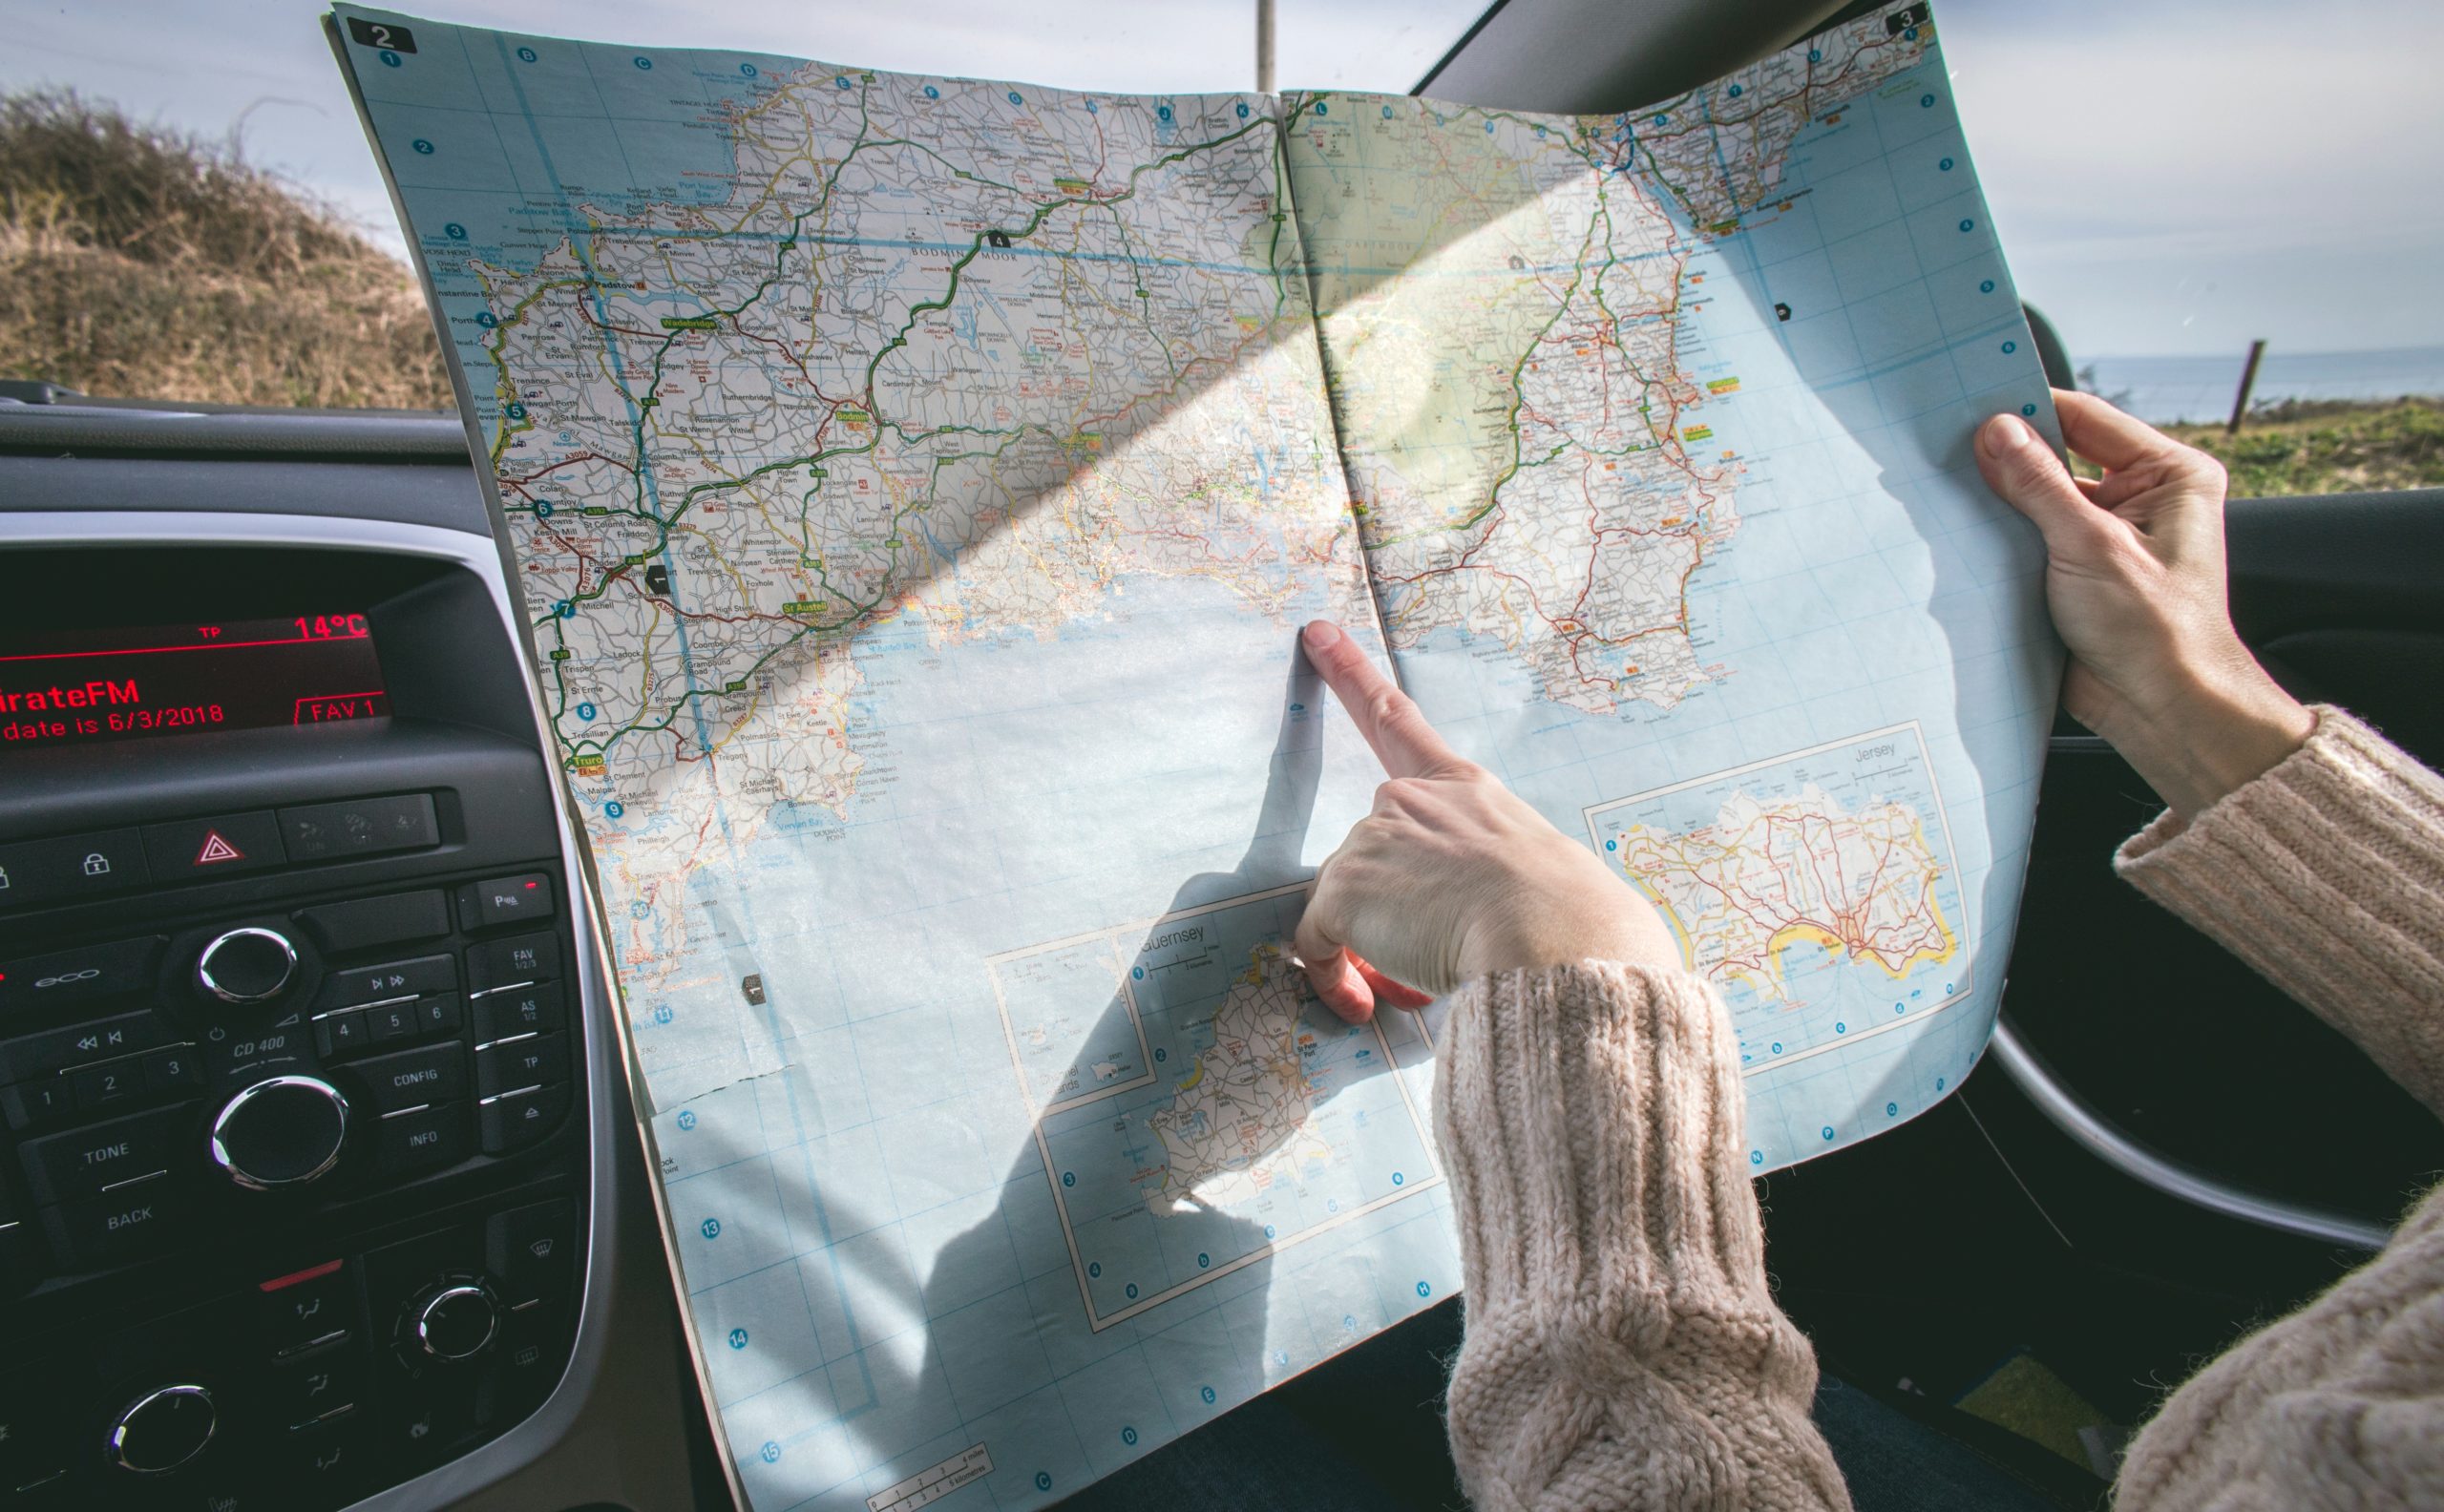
(189, 211)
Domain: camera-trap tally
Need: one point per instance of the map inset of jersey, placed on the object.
(1203, 1111)
(1817, 889)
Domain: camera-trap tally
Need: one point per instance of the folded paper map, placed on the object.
(915, 486)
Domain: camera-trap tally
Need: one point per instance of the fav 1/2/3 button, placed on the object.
(515, 961)
(223, 845)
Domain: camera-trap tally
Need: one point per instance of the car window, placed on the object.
(188, 210)
(2176, 180)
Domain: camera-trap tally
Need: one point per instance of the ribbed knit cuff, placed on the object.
(1592, 1119)
(2327, 875)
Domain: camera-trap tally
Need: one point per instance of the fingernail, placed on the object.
(2006, 434)
(1321, 632)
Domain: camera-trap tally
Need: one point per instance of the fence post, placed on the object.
(2248, 381)
(1264, 46)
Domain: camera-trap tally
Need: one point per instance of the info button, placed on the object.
(222, 845)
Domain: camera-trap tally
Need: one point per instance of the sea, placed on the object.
(2166, 390)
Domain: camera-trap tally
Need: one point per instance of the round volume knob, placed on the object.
(283, 1131)
(162, 1429)
(454, 1321)
(247, 965)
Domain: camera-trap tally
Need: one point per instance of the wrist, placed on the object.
(1628, 930)
(2212, 734)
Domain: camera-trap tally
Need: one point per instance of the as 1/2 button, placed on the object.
(519, 1011)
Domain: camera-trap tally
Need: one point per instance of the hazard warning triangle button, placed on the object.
(216, 845)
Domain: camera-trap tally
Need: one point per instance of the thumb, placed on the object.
(2021, 468)
(1331, 969)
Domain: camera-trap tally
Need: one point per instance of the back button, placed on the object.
(119, 1227)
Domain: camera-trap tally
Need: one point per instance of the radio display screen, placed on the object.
(78, 688)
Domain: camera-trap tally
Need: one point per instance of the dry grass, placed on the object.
(2328, 446)
(138, 262)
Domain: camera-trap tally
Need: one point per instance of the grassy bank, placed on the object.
(2328, 446)
(135, 262)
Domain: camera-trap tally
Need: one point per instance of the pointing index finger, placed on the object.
(1389, 719)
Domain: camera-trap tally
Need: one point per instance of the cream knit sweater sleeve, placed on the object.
(1622, 1351)
(2327, 874)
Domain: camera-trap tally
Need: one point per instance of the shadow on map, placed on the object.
(973, 1343)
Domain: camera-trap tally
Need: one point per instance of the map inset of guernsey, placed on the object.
(1817, 889)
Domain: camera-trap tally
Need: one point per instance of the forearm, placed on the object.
(1622, 1349)
(2327, 875)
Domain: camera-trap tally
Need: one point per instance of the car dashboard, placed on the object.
(317, 1146)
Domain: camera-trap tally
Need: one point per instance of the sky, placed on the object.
(2169, 176)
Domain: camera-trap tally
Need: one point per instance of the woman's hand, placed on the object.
(2134, 577)
(1451, 876)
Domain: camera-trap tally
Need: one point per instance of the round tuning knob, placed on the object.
(161, 1430)
(247, 965)
(283, 1131)
(454, 1321)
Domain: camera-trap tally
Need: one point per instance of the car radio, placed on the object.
(294, 1201)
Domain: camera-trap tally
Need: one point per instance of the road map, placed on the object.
(915, 486)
